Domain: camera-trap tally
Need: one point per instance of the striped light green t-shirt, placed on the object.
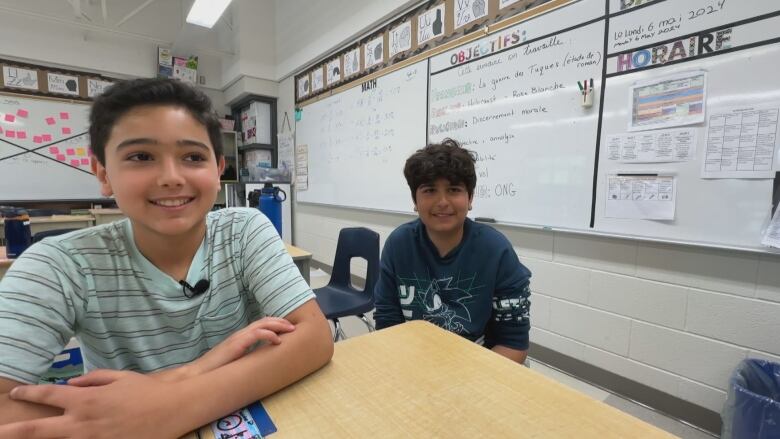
(95, 285)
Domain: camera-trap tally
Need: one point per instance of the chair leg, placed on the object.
(367, 322)
(338, 332)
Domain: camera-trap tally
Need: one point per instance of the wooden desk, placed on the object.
(105, 216)
(418, 381)
(302, 259)
(43, 223)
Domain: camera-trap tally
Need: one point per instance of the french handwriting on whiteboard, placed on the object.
(656, 28)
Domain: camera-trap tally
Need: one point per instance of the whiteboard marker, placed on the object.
(484, 220)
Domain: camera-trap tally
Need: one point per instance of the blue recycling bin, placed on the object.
(752, 409)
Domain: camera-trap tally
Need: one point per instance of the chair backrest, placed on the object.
(46, 233)
(356, 242)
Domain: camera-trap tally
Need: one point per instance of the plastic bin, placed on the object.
(752, 410)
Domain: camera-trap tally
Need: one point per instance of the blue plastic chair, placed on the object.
(339, 298)
(46, 233)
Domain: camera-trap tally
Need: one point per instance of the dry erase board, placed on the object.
(683, 110)
(733, 45)
(44, 150)
(519, 110)
(357, 142)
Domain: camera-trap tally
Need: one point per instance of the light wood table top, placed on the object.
(416, 380)
(59, 219)
(297, 253)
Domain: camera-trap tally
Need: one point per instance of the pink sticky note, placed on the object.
(70, 151)
(10, 134)
(61, 158)
(54, 150)
(50, 121)
(22, 112)
(9, 117)
(84, 161)
(75, 162)
(37, 139)
(65, 130)
(47, 137)
(21, 134)
(1, 130)
(64, 116)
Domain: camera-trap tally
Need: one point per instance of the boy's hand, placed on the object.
(128, 405)
(240, 342)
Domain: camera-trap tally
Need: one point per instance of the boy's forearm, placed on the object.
(12, 411)
(259, 374)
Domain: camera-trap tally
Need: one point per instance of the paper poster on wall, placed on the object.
(285, 155)
(467, 11)
(96, 87)
(771, 237)
(741, 142)
(186, 69)
(668, 102)
(63, 84)
(504, 3)
(400, 38)
(317, 80)
(301, 167)
(351, 62)
(333, 71)
(644, 196)
(430, 24)
(20, 78)
(375, 51)
(164, 62)
(674, 145)
(303, 86)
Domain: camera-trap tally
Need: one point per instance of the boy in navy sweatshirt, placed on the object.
(444, 268)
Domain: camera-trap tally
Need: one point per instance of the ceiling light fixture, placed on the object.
(206, 12)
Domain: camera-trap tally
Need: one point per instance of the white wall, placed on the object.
(675, 318)
(678, 319)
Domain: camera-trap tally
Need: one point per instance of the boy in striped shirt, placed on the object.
(164, 356)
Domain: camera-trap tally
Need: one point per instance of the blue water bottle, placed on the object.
(271, 199)
(16, 226)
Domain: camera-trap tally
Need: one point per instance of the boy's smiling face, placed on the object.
(161, 168)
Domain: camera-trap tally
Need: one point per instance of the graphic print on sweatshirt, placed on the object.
(443, 302)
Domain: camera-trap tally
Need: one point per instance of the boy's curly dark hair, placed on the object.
(441, 160)
(123, 96)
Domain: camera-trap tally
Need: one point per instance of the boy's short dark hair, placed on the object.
(123, 96)
(441, 160)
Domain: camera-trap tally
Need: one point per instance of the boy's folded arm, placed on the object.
(260, 373)
(140, 404)
(11, 411)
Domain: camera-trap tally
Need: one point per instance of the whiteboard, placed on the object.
(359, 140)
(520, 111)
(543, 158)
(724, 212)
(44, 150)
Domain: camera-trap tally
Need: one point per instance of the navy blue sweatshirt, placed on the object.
(479, 290)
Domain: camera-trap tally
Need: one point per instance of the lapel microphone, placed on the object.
(199, 288)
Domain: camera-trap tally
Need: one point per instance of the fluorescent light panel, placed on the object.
(206, 12)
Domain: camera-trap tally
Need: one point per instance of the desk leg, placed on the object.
(304, 267)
